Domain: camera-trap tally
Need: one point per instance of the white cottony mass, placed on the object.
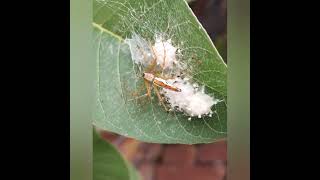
(165, 53)
(191, 100)
(140, 51)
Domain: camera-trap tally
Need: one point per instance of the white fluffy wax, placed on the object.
(141, 52)
(190, 100)
(165, 53)
(162, 50)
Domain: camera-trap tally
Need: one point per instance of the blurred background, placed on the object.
(183, 162)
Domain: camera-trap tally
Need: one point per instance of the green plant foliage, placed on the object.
(108, 164)
(145, 119)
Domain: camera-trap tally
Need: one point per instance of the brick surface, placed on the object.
(211, 152)
(148, 152)
(187, 173)
(146, 171)
(220, 168)
(179, 155)
(152, 151)
(138, 157)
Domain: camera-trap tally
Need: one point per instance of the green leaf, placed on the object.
(117, 79)
(108, 163)
(190, 1)
(134, 175)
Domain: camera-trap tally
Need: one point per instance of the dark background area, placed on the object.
(213, 16)
(187, 162)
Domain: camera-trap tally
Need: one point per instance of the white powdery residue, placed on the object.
(165, 53)
(140, 50)
(190, 100)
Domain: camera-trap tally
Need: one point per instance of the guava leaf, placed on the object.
(108, 162)
(117, 108)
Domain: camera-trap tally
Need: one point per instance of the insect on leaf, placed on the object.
(120, 104)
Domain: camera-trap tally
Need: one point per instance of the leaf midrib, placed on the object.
(107, 31)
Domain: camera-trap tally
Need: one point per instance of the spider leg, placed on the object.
(164, 58)
(136, 94)
(138, 90)
(138, 97)
(160, 98)
(153, 64)
(163, 77)
(148, 86)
